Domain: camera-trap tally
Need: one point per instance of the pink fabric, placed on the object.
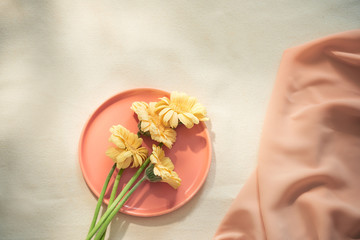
(307, 182)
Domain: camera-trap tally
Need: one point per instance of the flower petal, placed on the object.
(165, 99)
(176, 95)
(123, 156)
(174, 121)
(137, 160)
(157, 171)
(164, 111)
(153, 159)
(145, 125)
(168, 116)
(113, 152)
(141, 109)
(174, 181)
(167, 143)
(164, 102)
(124, 164)
(186, 121)
(137, 142)
(191, 102)
(117, 141)
(166, 162)
(192, 117)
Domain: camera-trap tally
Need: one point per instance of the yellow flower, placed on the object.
(128, 148)
(180, 107)
(151, 122)
(163, 167)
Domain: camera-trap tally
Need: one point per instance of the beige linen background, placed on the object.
(60, 59)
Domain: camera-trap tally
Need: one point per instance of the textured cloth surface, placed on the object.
(306, 184)
(59, 60)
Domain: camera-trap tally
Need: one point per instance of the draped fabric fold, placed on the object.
(307, 182)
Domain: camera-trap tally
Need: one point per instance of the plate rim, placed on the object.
(134, 213)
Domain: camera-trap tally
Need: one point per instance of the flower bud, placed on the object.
(149, 174)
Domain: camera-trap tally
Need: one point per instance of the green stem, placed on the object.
(101, 197)
(115, 187)
(117, 200)
(116, 210)
(114, 191)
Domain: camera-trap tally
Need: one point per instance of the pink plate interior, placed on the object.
(191, 155)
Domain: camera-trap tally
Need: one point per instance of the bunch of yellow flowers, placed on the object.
(159, 121)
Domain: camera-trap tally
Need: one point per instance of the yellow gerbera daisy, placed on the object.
(151, 122)
(180, 107)
(163, 167)
(128, 148)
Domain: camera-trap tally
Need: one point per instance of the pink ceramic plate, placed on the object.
(191, 155)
